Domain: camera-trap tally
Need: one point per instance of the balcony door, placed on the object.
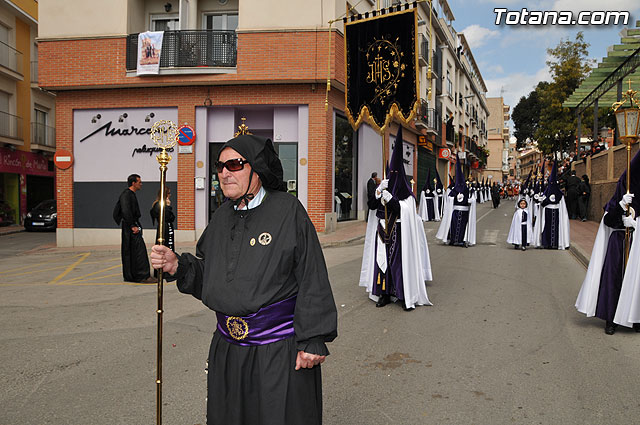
(167, 22)
(221, 37)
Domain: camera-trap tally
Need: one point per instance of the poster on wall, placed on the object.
(149, 50)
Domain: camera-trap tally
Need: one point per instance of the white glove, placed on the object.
(384, 184)
(627, 198)
(386, 196)
(629, 221)
(543, 197)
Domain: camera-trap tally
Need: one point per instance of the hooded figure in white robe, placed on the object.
(520, 233)
(398, 265)
(429, 208)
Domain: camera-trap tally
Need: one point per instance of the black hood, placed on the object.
(262, 157)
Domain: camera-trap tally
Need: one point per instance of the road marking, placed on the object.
(71, 267)
(31, 265)
(484, 215)
(94, 273)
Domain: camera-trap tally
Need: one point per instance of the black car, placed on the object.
(43, 217)
(6, 214)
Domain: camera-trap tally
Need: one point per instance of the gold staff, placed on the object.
(164, 135)
(628, 119)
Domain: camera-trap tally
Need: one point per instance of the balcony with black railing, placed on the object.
(428, 118)
(11, 127)
(191, 48)
(11, 61)
(43, 136)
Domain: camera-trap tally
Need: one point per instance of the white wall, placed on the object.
(72, 18)
(369, 160)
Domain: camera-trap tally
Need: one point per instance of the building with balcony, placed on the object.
(221, 61)
(27, 113)
(455, 118)
(498, 140)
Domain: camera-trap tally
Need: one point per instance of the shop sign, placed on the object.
(423, 142)
(444, 153)
(19, 162)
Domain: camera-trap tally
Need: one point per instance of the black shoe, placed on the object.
(515, 246)
(636, 327)
(584, 219)
(610, 328)
(383, 300)
(405, 308)
(524, 248)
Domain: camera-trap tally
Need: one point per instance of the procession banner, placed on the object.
(149, 50)
(381, 74)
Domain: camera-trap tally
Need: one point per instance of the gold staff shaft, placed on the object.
(627, 232)
(160, 241)
(163, 134)
(384, 176)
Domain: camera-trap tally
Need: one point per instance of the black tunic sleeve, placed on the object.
(315, 318)
(614, 218)
(189, 275)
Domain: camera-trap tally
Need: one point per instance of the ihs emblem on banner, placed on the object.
(384, 60)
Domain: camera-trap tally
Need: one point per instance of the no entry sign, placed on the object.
(63, 159)
(186, 135)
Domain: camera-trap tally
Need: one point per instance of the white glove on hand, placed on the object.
(384, 184)
(386, 196)
(627, 198)
(629, 221)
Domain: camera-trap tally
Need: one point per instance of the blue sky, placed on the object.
(512, 58)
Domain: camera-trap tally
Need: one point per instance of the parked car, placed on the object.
(6, 214)
(43, 217)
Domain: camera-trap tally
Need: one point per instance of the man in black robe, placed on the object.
(135, 263)
(260, 267)
(572, 186)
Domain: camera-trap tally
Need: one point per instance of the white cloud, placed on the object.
(516, 85)
(477, 36)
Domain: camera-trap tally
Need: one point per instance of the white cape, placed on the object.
(445, 224)
(423, 212)
(416, 263)
(366, 271)
(515, 232)
(628, 309)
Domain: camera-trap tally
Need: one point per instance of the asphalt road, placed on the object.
(502, 343)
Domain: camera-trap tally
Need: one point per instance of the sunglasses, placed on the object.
(235, 164)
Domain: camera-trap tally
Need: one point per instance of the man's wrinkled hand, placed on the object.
(307, 360)
(164, 258)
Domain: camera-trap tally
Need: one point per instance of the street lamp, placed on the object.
(627, 120)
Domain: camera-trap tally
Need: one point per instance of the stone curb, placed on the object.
(324, 245)
(11, 232)
(580, 255)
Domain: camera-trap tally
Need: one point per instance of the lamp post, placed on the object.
(627, 120)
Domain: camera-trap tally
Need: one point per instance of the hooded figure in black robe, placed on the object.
(554, 219)
(439, 192)
(135, 262)
(260, 267)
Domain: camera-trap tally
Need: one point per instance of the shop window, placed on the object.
(346, 160)
(288, 154)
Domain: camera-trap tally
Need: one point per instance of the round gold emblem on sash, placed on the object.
(237, 328)
(252, 242)
(264, 238)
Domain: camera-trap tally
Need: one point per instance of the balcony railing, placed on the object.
(43, 135)
(428, 118)
(34, 71)
(424, 50)
(10, 58)
(10, 126)
(191, 48)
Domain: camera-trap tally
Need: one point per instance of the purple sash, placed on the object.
(269, 324)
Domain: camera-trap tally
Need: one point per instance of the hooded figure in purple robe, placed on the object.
(458, 226)
(554, 218)
(428, 209)
(601, 292)
(401, 263)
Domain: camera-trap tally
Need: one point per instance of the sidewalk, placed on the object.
(14, 228)
(583, 234)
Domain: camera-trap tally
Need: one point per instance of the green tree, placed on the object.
(526, 115)
(569, 66)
